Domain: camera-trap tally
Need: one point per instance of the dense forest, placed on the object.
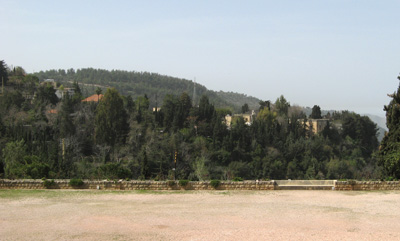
(136, 84)
(124, 136)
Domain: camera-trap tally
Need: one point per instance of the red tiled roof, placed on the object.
(52, 111)
(93, 98)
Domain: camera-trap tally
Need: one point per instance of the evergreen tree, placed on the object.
(3, 72)
(168, 110)
(111, 119)
(206, 110)
(282, 106)
(265, 104)
(182, 111)
(390, 146)
(46, 95)
(98, 92)
(316, 112)
(67, 127)
(245, 108)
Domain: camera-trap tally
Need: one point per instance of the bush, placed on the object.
(113, 171)
(183, 183)
(215, 183)
(76, 182)
(352, 182)
(34, 168)
(48, 183)
(171, 183)
(237, 179)
(390, 178)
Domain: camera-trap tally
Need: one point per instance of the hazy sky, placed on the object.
(338, 54)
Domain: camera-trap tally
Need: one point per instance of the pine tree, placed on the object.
(3, 72)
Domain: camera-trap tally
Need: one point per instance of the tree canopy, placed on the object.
(140, 135)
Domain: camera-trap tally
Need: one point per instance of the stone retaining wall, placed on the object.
(136, 185)
(205, 185)
(366, 185)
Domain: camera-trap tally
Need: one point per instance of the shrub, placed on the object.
(48, 183)
(76, 182)
(237, 179)
(114, 171)
(171, 183)
(390, 178)
(352, 182)
(183, 183)
(215, 183)
(34, 168)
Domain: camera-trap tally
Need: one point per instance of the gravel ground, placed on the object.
(219, 215)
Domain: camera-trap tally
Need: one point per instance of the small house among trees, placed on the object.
(316, 125)
(248, 118)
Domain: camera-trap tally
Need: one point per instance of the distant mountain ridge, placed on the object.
(381, 123)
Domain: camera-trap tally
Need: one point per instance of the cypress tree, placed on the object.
(389, 151)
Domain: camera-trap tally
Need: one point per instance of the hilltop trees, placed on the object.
(138, 84)
(282, 106)
(3, 72)
(316, 112)
(390, 146)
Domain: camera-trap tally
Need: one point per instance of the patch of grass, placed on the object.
(237, 179)
(21, 194)
(160, 192)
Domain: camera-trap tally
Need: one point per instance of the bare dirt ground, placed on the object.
(222, 215)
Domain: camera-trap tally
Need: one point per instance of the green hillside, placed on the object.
(136, 84)
(44, 136)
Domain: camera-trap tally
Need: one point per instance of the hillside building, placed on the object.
(248, 118)
(316, 125)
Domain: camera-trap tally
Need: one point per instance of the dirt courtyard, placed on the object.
(190, 215)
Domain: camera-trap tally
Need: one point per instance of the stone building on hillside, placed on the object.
(316, 125)
(248, 118)
(64, 91)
